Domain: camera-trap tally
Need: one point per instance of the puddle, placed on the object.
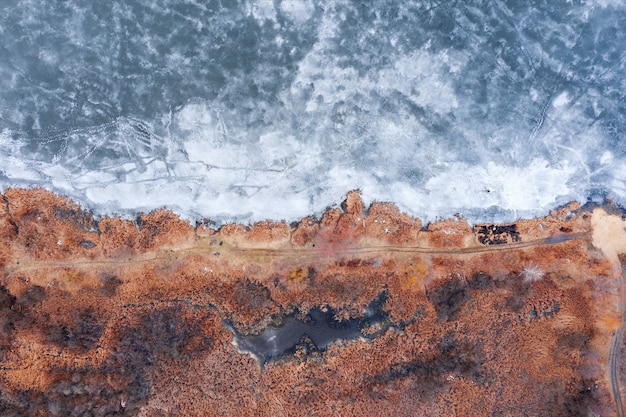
(321, 328)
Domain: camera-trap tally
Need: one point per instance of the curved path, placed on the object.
(614, 356)
(253, 252)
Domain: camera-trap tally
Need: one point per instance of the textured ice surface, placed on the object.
(269, 109)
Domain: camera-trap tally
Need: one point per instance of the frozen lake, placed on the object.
(247, 110)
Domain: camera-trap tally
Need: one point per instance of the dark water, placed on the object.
(248, 110)
(317, 330)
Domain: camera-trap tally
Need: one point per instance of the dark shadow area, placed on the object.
(454, 355)
(449, 299)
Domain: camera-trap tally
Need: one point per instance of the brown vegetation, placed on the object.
(115, 317)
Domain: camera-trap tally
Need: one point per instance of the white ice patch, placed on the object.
(561, 100)
(194, 116)
(262, 10)
(423, 77)
(524, 189)
(607, 3)
(606, 158)
(298, 10)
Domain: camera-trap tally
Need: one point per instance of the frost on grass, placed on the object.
(532, 272)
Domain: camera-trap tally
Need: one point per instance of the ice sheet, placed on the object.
(277, 109)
